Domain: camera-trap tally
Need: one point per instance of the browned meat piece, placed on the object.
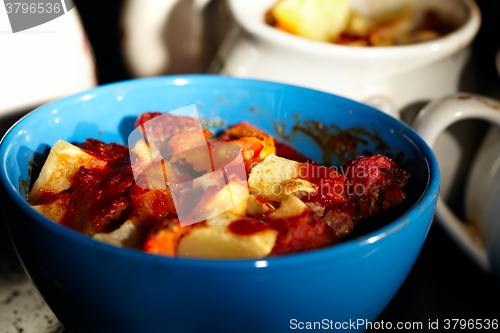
(299, 233)
(317, 208)
(368, 185)
(340, 222)
(378, 182)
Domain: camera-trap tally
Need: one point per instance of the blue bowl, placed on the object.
(95, 287)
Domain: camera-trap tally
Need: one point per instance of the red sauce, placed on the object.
(343, 144)
(145, 117)
(290, 153)
(332, 189)
(100, 196)
(247, 227)
(45, 198)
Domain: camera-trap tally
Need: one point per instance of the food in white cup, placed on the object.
(389, 78)
(337, 22)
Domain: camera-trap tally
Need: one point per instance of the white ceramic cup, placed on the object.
(480, 235)
(389, 78)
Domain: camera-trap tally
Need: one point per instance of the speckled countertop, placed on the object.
(22, 308)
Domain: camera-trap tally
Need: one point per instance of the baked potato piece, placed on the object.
(321, 20)
(142, 156)
(276, 178)
(218, 239)
(212, 238)
(127, 235)
(62, 164)
(55, 208)
(258, 206)
(217, 200)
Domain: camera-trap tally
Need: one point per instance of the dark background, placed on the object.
(444, 283)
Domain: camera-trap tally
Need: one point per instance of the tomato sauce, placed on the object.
(100, 196)
(331, 185)
(247, 227)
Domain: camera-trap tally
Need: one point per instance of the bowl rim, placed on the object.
(441, 47)
(428, 196)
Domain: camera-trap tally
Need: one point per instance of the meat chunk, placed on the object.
(299, 228)
(317, 208)
(378, 183)
(366, 186)
(340, 222)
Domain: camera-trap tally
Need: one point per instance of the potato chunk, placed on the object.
(54, 210)
(257, 206)
(266, 178)
(62, 164)
(143, 152)
(127, 235)
(215, 240)
(291, 207)
(321, 20)
(276, 178)
(219, 199)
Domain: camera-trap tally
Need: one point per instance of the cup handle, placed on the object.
(384, 103)
(433, 120)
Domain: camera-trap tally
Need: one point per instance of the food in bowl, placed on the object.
(94, 287)
(334, 21)
(281, 203)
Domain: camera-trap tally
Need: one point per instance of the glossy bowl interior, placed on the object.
(95, 287)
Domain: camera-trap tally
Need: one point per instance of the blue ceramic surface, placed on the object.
(95, 287)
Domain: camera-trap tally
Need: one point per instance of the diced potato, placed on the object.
(142, 150)
(222, 220)
(127, 235)
(321, 20)
(63, 162)
(292, 206)
(217, 241)
(276, 178)
(231, 197)
(299, 187)
(56, 209)
(256, 205)
(267, 177)
(208, 179)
